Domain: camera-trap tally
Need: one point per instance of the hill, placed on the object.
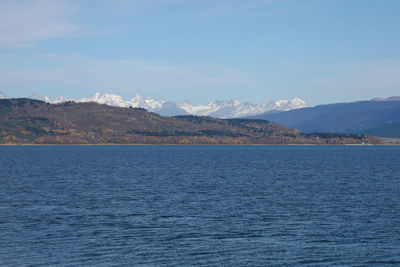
(356, 117)
(391, 130)
(36, 122)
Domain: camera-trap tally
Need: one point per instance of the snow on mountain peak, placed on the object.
(38, 96)
(109, 99)
(232, 108)
(2, 96)
(295, 103)
(298, 102)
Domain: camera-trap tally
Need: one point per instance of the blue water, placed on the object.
(199, 205)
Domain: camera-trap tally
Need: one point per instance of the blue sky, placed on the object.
(322, 51)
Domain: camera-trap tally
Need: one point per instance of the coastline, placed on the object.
(112, 144)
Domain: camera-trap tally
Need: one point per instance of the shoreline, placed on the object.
(111, 144)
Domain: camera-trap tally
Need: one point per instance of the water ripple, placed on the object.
(199, 205)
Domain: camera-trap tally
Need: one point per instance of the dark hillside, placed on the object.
(356, 117)
(36, 122)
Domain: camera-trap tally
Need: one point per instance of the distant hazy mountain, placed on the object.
(356, 117)
(2, 96)
(219, 109)
(392, 98)
(391, 129)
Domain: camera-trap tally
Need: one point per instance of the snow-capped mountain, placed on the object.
(2, 96)
(220, 109)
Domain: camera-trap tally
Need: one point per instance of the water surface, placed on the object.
(199, 205)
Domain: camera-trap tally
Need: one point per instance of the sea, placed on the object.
(199, 205)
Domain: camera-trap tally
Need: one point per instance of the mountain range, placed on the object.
(379, 117)
(28, 121)
(218, 109)
(376, 117)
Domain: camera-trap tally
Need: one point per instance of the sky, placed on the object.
(323, 51)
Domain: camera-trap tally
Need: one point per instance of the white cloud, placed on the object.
(24, 22)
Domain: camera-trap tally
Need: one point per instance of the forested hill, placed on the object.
(28, 121)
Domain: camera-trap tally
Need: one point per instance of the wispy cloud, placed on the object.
(24, 22)
(125, 77)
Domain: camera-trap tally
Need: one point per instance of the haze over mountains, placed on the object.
(218, 109)
(379, 117)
